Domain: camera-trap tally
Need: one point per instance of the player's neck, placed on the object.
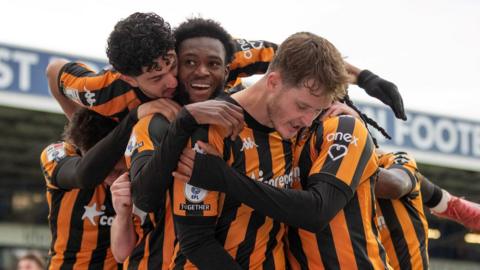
(253, 100)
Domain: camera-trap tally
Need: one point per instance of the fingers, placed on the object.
(164, 106)
(122, 192)
(208, 148)
(167, 108)
(232, 117)
(400, 110)
(186, 160)
(189, 152)
(123, 179)
(184, 168)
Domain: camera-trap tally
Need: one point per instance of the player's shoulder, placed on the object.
(58, 151)
(398, 158)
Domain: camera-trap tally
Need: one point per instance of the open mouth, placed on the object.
(200, 86)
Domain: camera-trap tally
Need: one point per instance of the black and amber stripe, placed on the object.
(252, 239)
(103, 92)
(350, 240)
(156, 236)
(250, 57)
(77, 243)
(402, 223)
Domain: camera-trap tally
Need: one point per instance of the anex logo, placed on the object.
(340, 136)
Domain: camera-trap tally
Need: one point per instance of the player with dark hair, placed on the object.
(306, 74)
(204, 45)
(77, 173)
(141, 51)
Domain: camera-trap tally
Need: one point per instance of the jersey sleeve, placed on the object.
(144, 160)
(103, 92)
(347, 153)
(251, 57)
(405, 162)
(52, 157)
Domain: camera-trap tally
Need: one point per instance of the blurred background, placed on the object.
(428, 48)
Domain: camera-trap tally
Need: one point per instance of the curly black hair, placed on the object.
(87, 128)
(199, 27)
(138, 41)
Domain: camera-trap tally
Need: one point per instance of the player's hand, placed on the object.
(187, 160)
(385, 91)
(164, 106)
(339, 108)
(215, 112)
(121, 195)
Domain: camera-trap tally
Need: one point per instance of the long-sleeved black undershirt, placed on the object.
(310, 209)
(151, 171)
(93, 167)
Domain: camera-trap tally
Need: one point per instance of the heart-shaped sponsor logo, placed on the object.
(337, 151)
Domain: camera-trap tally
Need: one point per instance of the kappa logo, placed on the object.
(72, 94)
(337, 151)
(89, 97)
(194, 194)
(91, 212)
(248, 143)
(340, 136)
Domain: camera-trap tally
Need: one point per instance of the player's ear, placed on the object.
(130, 80)
(274, 81)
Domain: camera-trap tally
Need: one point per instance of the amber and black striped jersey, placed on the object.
(79, 219)
(156, 236)
(107, 94)
(402, 223)
(250, 57)
(103, 92)
(210, 222)
(341, 152)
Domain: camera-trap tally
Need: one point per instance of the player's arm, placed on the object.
(196, 236)
(392, 184)
(279, 204)
(377, 87)
(324, 195)
(53, 72)
(397, 177)
(92, 168)
(170, 139)
(250, 57)
(122, 233)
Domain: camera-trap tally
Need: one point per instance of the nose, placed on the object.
(172, 80)
(201, 70)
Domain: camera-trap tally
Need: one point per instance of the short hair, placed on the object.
(199, 27)
(305, 59)
(86, 128)
(137, 41)
(33, 257)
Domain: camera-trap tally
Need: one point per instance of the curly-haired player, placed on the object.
(141, 50)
